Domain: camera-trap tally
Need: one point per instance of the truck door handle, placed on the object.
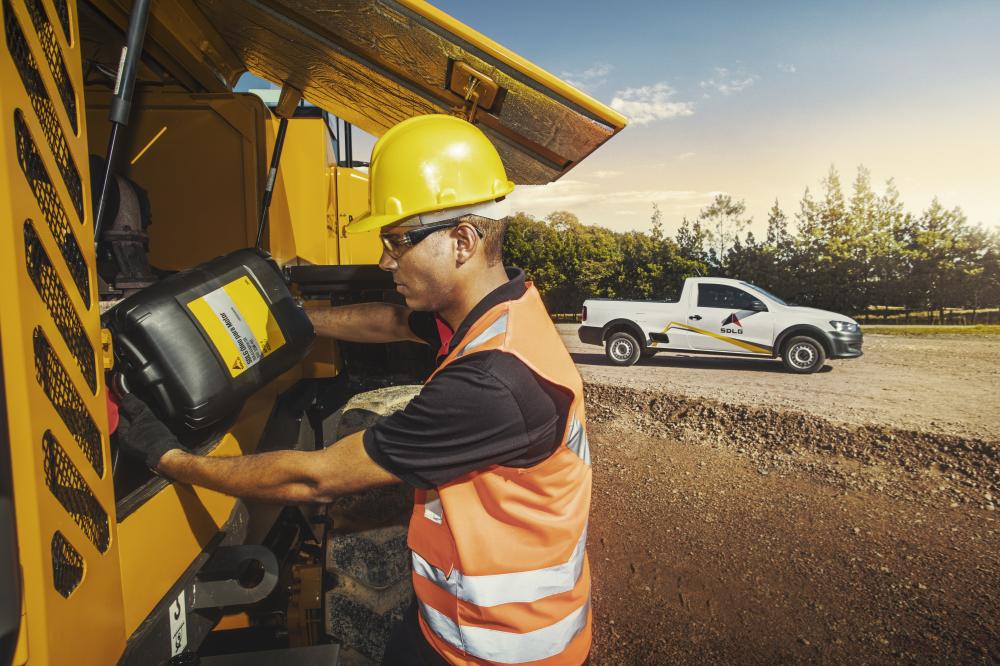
(695, 317)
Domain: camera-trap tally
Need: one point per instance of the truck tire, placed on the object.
(803, 355)
(367, 560)
(622, 348)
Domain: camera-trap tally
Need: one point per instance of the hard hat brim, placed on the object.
(363, 224)
(371, 222)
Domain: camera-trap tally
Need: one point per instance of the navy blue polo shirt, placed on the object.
(482, 410)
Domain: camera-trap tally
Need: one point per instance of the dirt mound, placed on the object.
(930, 465)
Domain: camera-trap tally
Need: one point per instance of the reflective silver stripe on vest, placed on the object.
(519, 587)
(577, 441)
(505, 647)
(495, 329)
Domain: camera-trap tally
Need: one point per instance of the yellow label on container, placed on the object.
(239, 324)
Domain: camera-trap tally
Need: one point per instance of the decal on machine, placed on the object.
(239, 323)
(178, 625)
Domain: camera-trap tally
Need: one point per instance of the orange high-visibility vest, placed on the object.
(500, 568)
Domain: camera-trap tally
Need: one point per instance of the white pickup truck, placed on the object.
(720, 316)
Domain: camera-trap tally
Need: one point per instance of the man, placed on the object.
(494, 444)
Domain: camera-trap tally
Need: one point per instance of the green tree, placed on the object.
(724, 221)
(888, 262)
(845, 254)
(692, 239)
(937, 250)
(834, 243)
(656, 223)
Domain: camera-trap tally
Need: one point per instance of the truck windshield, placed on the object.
(774, 298)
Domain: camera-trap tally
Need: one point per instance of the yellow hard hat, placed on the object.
(430, 163)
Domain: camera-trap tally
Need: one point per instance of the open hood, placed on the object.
(375, 63)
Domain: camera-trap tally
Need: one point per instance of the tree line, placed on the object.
(858, 253)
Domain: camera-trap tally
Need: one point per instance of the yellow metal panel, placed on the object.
(352, 202)
(21, 651)
(297, 220)
(308, 214)
(324, 359)
(54, 314)
(204, 173)
(160, 539)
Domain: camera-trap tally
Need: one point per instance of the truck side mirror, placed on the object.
(758, 306)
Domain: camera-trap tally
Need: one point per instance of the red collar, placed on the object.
(446, 335)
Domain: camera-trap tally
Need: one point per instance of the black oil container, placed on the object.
(197, 344)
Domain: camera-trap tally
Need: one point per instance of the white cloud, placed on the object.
(648, 103)
(727, 82)
(567, 194)
(593, 77)
(787, 67)
(685, 156)
(597, 71)
(607, 173)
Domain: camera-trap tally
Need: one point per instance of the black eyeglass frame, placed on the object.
(393, 242)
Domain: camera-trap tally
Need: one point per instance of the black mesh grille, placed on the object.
(50, 288)
(53, 54)
(43, 106)
(67, 565)
(55, 381)
(48, 202)
(62, 8)
(72, 491)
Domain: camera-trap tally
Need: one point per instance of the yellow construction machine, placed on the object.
(208, 201)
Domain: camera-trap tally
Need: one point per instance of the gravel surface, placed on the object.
(940, 383)
(700, 556)
(746, 515)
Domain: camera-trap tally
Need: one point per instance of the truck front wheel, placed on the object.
(622, 349)
(803, 355)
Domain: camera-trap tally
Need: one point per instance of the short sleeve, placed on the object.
(464, 420)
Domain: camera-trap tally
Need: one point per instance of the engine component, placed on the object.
(235, 576)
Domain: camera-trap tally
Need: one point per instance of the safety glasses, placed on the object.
(396, 244)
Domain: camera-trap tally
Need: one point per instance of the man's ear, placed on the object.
(466, 242)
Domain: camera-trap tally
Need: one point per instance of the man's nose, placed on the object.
(387, 262)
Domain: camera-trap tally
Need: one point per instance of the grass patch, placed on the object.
(899, 329)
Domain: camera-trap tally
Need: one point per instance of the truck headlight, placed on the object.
(844, 326)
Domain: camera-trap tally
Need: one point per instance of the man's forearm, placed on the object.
(274, 476)
(364, 322)
(289, 477)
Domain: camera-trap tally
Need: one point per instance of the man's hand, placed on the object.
(141, 435)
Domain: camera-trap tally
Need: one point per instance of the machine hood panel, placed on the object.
(375, 63)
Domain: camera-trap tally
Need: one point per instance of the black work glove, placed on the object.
(140, 434)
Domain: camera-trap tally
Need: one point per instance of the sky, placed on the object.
(758, 100)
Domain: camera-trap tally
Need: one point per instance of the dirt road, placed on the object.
(743, 515)
(698, 557)
(945, 384)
